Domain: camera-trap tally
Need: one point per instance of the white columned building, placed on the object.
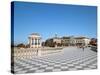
(34, 40)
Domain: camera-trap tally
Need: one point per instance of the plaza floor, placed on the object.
(69, 59)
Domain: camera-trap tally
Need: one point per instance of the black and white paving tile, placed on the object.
(68, 59)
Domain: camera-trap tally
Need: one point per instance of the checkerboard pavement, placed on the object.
(69, 59)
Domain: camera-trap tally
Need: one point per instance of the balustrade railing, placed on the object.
(34, 52)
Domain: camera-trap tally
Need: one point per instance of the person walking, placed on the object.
(37, 52)
(83, 48)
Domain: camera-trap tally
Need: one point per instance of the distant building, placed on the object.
(56, 39)
(34, 40)
(68, 41)
(93, 41)
(53, 42)
(82, 41)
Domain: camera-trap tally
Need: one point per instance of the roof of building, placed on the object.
(35, 34)
(66, 37)
(56, 38)
(81, 37)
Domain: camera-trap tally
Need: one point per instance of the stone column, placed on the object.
(33, 42)
(37, 42)
(30, 42)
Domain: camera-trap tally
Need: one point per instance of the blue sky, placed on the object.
(51, 19)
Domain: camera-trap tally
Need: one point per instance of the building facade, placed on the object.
(75, 41)
(82, 41)
(68, 41)
(53, 42)
(34, 40)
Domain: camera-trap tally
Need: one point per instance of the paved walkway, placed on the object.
(70, 58)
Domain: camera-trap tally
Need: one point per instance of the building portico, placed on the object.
(34, 40)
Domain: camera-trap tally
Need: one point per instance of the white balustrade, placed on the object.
(30, 52)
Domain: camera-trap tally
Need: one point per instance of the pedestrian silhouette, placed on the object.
(37, 51)
(83, 48)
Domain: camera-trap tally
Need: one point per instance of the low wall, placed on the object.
(32, 52)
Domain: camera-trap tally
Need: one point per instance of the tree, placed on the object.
(43, 43)
(21, 45)
(49, 43)
(93, 42)
(27, 46)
